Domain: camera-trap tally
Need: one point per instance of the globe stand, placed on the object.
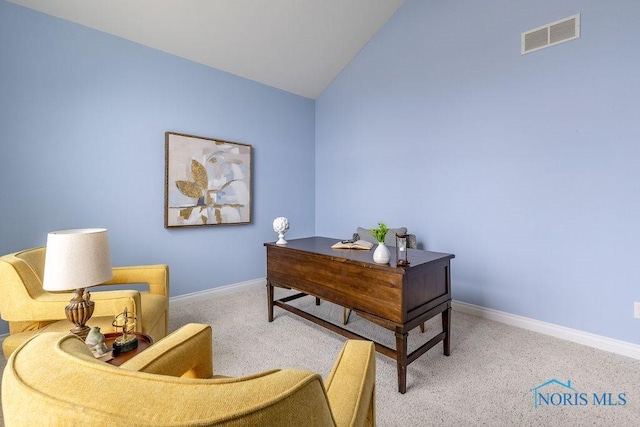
(281, 240)
(127, 341)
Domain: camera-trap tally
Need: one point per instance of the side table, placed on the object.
(144, 341)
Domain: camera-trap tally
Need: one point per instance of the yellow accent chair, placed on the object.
(53, 379)
(30, 310)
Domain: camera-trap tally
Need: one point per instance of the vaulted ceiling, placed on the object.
(298, 46)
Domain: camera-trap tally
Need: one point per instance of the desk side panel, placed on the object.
(427, 287)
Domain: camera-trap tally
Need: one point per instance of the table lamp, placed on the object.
(76, 260)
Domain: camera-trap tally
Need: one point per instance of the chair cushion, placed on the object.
(389, 239)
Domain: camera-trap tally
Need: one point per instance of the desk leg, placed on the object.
(446, 327)
(401, 359)
(270, 300)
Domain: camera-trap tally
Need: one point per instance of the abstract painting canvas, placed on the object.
(207, 181)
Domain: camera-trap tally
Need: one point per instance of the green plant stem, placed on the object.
(380, 232)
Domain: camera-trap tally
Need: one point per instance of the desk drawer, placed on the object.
(377, 291)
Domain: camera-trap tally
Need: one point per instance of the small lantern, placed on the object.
(401, 249)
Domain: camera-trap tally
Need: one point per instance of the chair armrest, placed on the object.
(44, 308)
(186, 352)
(156, 276)
(351, 384)
(51, 306)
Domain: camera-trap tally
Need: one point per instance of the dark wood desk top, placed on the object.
(322, 246)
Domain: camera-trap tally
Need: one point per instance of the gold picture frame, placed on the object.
(207, 181)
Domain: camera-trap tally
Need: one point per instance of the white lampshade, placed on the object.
(76, 259)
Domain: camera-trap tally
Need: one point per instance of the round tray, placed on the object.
(144, 342)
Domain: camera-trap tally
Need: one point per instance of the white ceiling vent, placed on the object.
(551, 34)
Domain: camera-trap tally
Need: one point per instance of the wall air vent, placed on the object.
(551, 34)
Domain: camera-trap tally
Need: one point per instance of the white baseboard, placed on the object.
(180, 300)
(597, 341)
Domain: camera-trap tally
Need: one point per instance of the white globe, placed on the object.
(280, 224)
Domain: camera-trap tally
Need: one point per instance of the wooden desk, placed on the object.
(396, 298)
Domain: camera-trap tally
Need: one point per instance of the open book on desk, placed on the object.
(350, 244)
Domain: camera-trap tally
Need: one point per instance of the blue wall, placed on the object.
(83, 117)
(526, 167)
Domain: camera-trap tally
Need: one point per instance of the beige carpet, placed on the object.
(487, 380)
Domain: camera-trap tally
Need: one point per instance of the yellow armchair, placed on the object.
(30, 310)
(53, 379)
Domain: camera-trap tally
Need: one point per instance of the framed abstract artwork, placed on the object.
(207, 181)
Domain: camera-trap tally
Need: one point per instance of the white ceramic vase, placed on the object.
(381, 255)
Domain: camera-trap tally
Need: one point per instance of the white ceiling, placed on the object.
(299, 46)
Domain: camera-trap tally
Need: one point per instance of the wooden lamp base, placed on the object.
(79, 311)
